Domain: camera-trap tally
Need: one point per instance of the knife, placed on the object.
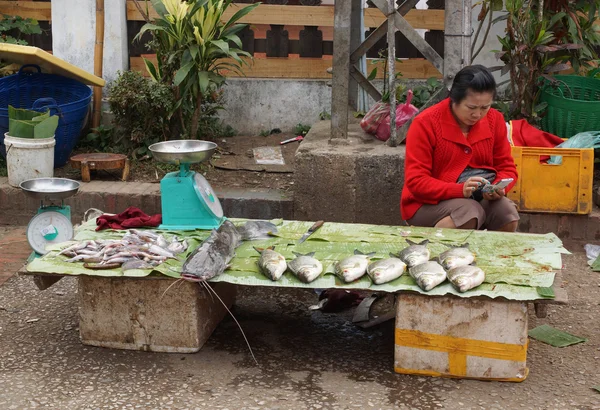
(311, 230)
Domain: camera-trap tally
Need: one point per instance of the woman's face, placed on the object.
(473, 108)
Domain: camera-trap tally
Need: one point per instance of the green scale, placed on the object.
(52, 222)
(187, 199)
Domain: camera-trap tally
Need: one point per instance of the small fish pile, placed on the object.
(136, 250)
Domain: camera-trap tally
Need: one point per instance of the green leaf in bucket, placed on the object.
(24, 123)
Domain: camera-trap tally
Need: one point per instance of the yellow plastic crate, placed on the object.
(562, 188)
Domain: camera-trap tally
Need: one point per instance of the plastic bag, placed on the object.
(374, 117)
(404, 112)
(587, 139)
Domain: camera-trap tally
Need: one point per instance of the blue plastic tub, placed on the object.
(65, 97)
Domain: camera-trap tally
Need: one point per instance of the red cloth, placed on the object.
(524, 134)
(132, 217)
(437, 153)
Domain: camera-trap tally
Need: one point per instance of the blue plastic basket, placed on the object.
(68, 98)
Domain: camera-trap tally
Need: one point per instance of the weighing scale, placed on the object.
(187, 199)
(52, 223)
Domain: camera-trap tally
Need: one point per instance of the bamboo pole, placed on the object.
(98, 56)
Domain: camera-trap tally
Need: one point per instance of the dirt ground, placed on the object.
(307, 359)
(233, 165)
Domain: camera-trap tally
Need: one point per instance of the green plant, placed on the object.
(421, 93)
(13, 27)
(141, 108)
(324, 115)
(542, 39)
(265, 133)
(101, 139)
(301, 129)
(194, 47)
(385, 95)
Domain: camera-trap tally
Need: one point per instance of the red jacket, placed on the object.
(437, 153)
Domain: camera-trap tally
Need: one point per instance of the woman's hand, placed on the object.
(472, 184)
(494, 195)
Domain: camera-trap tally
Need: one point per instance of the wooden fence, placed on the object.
(287, 41)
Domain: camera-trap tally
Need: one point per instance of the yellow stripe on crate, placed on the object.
(431, 373)
(456, 347)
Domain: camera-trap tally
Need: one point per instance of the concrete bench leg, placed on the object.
(133, 313)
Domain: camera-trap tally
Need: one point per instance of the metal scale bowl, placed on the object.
(188, 201)
(52, 223)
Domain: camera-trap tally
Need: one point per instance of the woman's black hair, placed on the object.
(475, 78)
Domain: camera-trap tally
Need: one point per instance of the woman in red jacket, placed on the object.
(454, 149)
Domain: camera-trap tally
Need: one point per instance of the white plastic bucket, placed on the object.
(29, 158)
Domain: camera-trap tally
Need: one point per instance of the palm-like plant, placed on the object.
(194, 47)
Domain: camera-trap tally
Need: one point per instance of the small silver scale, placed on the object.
(52, 222)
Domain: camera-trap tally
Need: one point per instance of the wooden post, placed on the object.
(357, 24)
(391, 39)
(457, 38)
(341, 71)
(98, 57)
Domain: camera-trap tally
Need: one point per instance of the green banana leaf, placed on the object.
(24, 123)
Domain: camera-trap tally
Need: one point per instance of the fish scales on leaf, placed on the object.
(212, 257)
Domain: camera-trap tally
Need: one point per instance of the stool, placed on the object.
(99, 160)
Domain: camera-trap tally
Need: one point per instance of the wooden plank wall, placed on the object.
(287, 41)
(39, 10)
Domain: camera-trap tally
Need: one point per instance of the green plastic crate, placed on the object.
(573, 105)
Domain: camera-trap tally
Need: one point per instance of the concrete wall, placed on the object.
(254, 105)
(74, 38)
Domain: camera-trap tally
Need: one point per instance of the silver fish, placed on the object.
(466, 277)
(305, 267)
(135, 264)
(353, 267)
(428, 275)
(386, 270)
(252, 230)
(415, 254)
(212, 257)
(456, 257)
(271, 263)
(162, 242)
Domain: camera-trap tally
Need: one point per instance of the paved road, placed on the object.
(306, 359)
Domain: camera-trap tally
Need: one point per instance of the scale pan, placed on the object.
(50, 189)
(183, 151)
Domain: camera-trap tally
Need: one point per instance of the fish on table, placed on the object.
(428, 275)
(456, 256)
(415, 254)
(386, 270)
(271, 263)
(305, 267)
(353, 267)
(466, 277)
(212, 257)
